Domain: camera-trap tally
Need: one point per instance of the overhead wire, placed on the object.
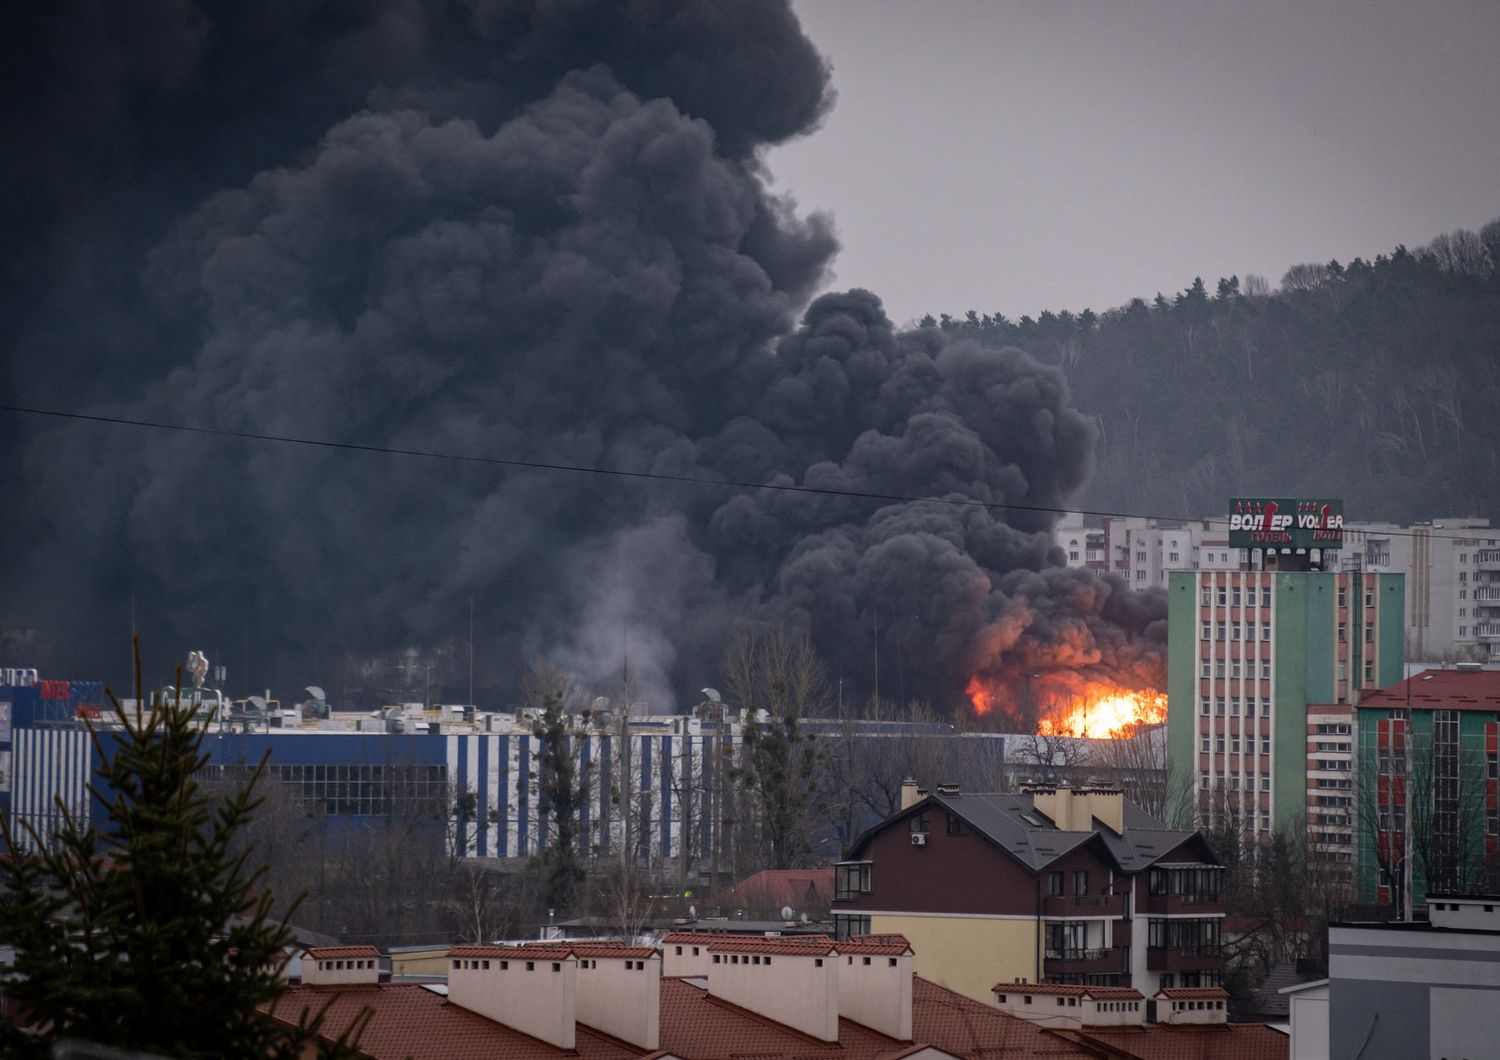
(658, 476)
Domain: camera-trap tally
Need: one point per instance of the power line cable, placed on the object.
(582, 469)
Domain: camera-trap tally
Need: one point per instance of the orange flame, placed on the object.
(1107, 714)
(981, 695)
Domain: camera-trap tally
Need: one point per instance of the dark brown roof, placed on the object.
(1060, 989)
(613, 951)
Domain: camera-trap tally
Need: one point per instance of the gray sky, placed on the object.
(1020, 156)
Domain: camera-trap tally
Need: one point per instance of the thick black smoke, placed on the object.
(539, 231)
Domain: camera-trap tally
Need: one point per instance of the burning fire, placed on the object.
(1098, 712)
(1107, 715)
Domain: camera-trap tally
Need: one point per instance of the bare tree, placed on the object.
(778, 679)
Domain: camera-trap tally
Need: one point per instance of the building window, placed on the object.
(1265, 783)
(921, 822)
(851, 879)
(1265, 670)
(1343, 596)
(1265, 631)
(1206, 670)
(846, 925)
(1223, 596)
(1219, 631)
(1140, 575)
(1204, 745)
(1234, 667)
(1343, 633)
(1265, 745)
(1265, 707)
(1054, 883)
(1080, 882)
(1250, 597)
(1206, 596)
(1234, 596)
(1208, 631)
(1219, 668)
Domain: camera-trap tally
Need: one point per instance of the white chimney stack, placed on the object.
(619, 991)
(340, 965)
(532, 989)
(685, 953)
(789, 979)
(1187, 1005)
(875, 982)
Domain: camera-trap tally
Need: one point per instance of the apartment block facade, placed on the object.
(1248, 652)
(1428, 788)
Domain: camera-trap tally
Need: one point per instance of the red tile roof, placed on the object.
(1115, 993)
(785, 887)
(1225, 1041)
(964, 1027)
(788, 945)
(612, 951)
(533, 952)
(409, 1020)
(1180, 993)
(883, 945)
(1060, 989)
(1445, 689)
(694, 938)
(336, 953)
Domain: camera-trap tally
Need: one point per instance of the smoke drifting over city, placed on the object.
(534, 231)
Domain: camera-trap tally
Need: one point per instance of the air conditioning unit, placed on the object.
(919, 839)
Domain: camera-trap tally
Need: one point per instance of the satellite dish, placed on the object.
(315, 692)
(786, 912)
(693, 911)
(804, 918)
(600, 703)
(713, 695)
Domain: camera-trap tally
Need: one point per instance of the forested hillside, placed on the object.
(1376, 381)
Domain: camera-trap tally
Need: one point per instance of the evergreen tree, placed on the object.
(148, 933)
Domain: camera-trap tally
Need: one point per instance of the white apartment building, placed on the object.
(1452, 569)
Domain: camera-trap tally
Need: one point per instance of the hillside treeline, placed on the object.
(1377, 381)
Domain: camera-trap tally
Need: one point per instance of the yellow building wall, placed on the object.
(421, 962)
(968, 954)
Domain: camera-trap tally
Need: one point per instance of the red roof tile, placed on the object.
(1115, 993)
(1180, 993)
(336, 953)
(885, 945)
(1060, 989)
(409, 1020)
(1225, 1041)
(694, 938)
(964, 1027)
(533, 952)
(1447, 689)
(615, 951)
(789, 945)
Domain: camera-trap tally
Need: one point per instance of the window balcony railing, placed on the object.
(1089, 954)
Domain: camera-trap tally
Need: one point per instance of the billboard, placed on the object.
(1284, 522)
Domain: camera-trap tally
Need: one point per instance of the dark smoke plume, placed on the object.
(534, 230)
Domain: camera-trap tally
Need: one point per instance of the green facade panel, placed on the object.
(1182, 675)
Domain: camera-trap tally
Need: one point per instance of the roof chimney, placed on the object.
(620, 991)
(909, 793)
(789, 979)
(685, 953)
(874, 983)
(532, 989)
(340, 965)
(1185, 1005)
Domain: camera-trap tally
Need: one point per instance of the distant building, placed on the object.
(1401, 990)
(1428, 789)
(1055, 885)
(1248, 652)
(1452, 569)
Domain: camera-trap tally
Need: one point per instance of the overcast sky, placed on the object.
(1019, 156)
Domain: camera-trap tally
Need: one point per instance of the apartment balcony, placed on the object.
(1488, 558)
(1085, 961)
(1072, 906)
(1487, 594)
(1200, 905)
(1160, 959)
(1489, 631)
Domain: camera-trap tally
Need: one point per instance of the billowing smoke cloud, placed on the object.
(538, 231)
